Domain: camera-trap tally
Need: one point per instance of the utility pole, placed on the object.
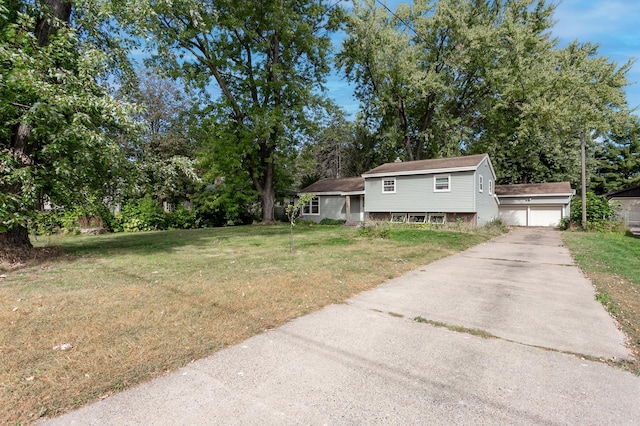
(584, 180)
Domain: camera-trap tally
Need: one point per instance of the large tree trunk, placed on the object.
(22, 146)
(15, 237)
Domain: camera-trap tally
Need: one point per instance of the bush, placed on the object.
(181, 218)
(374, 230)
(143, 215)
(46, 223)
(496, 225)
(329, 221)
(601, 215)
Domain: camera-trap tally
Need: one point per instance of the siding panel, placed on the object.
(415, 194)
(486, 203)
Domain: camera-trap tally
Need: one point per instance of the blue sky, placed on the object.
(613, 24)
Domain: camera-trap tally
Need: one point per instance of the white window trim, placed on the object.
(490, 187)
(398, 217)
(307, 209)
(434, 215)
(435, 180)
(480, 183)
(394, 185)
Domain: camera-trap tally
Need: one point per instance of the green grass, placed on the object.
(135, 306)
(617, 254)
(612, 263)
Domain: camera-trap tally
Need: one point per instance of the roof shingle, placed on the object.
(351, 184)
(534, 189)
(429, 165)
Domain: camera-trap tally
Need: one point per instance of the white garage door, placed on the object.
(531, 215)
(545, 216)
(514, 215)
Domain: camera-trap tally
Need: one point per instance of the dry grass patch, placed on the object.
(612, 263)
(135, 306)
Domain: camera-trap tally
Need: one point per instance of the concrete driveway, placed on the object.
(369, 362)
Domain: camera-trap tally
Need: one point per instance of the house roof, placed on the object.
(435, 165)
(633, 192)
(336, 186)
(531, 189)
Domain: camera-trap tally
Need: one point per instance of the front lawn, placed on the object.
(135, 306)
(612, 263)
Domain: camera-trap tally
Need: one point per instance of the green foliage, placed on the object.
(374, 230)
(59, 128)
(142, 215)
(292, 211)
(181, 218)
(329, 221)
(46, 223)
(618, 162)
(440, 77)
(222, 204)
(601, 214)
(267, 58)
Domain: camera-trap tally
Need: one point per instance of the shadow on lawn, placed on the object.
(164, 241)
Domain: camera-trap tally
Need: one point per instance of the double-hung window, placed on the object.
(480, 183)
(388, 185)
(490, 187)
(442, 183)
(312, 207)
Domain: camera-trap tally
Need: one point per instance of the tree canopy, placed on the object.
(444, 77)
(266, 62)
(59, 128)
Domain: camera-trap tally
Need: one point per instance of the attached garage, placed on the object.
(531, 215)
(542, 204)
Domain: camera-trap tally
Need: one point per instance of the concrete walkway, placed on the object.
(369, 362)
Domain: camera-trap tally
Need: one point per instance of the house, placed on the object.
(341, 199)
(629, 199)
(436, 190)
(538, 204)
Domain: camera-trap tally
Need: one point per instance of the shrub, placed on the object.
(601, 215)
(46, 223)
(329, 221)
(374, 230)
(143, 215)
(181, 218)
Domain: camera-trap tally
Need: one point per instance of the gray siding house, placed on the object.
(436, 190)
(341, 199)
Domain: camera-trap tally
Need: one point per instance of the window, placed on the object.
(312, 207)
(480, 183)
(490, 187)
(398, 217)
(417, 218)
(437, 217)
(389, 185)
(442, 183)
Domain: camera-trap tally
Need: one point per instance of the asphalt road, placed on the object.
(513, 335)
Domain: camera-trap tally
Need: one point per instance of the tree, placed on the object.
(58, 126)
(618, 162)
(164, 154)
(292, 211)
(268, 61)
(443, 77)
(421, 71)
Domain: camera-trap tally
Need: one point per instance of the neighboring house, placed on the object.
(538, 204)
(629, 199)
(341, 199)
(436, 190)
